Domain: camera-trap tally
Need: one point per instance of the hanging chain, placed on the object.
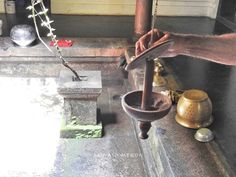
(46, 22)
(154, 18)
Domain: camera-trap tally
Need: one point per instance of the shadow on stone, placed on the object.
(106, 119)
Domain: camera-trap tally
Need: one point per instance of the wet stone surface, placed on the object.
(31, 112)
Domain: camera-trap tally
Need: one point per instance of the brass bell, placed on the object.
(158, 79)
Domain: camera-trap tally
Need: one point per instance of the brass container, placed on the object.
(194, 109)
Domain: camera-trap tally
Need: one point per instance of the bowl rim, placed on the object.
(203, 98)
(147, 111)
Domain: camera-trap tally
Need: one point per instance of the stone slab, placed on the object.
(89, 47)
(86, 89)
(37, 109)
(54, 60)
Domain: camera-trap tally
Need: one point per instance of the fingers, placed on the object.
(161, 34)
(144, 42)
(137, 48)
(164, 37)
(154, 31)
(141, 45)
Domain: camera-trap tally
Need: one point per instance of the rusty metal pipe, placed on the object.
(143, 17)
(147, 97)
(147, 85)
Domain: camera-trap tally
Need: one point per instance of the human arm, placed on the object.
(215, 48)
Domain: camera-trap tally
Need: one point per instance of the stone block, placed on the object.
(80, 104)
(88, 89)
(83, 112)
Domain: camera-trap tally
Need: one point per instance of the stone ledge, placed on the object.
(54, 60)
(89, 47)
(90, 88)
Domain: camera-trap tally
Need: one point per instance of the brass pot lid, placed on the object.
(204, 135)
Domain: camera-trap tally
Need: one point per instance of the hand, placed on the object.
(158, 37)
(145, 41)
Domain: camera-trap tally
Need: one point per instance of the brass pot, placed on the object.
(194, 109)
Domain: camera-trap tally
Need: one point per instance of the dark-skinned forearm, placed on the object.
(220, 49)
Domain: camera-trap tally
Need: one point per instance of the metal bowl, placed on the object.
(194, 109)
(160, 106)
(23, 35)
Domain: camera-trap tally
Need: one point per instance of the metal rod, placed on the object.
(143, 16)
(147, 85)
(147, 97)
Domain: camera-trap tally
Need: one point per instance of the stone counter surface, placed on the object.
(85, 54)
(89, 47)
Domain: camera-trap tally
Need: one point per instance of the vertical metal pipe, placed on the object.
(147, 85)
(147, 97)
(143, 17)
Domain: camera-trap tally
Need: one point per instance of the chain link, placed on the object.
(154, 18)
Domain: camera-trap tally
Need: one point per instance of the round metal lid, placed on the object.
(149, 54)
(204, 135)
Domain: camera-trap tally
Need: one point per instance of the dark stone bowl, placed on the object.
(160, 106)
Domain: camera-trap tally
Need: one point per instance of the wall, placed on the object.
(2, 10)
(189, 7)
(127, 7)
(101, 7)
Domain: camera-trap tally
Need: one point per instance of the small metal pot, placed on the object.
(23, 35)
(194, 109)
